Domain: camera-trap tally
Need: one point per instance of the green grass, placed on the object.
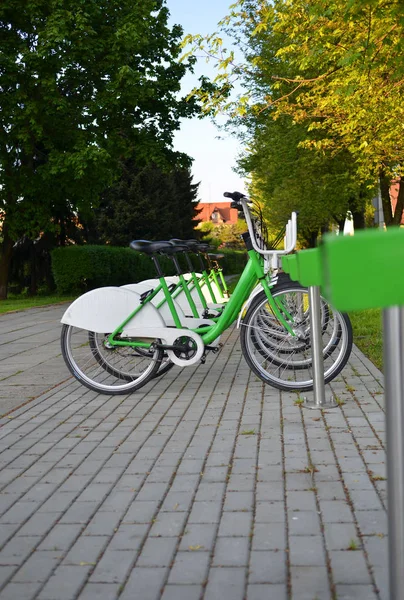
(367, 334)
(23, 302)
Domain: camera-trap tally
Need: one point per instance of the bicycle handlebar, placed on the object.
(290, 238)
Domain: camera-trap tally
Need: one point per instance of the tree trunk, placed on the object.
(386, 201)
(398, 213)
(5, 261)
(33, 287)
(358, 217)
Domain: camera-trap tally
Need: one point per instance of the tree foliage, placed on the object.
(84, 85)
(146, 203)
(334, 69)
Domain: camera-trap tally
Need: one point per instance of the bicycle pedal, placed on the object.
(214, 349)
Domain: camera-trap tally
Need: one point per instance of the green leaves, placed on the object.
(83, 88)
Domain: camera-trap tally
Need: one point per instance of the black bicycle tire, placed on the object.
(267, 378)
(90, 384)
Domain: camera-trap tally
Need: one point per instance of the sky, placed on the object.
(213, 158)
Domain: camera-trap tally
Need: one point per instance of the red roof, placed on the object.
(228, 214)
(394, 189)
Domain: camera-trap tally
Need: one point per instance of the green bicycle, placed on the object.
(115, 340)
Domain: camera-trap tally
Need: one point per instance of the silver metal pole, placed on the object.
(393, 325)
(319, 400)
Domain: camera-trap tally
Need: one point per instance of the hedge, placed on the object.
(77, 269)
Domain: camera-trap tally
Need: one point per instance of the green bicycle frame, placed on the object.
(252, 273)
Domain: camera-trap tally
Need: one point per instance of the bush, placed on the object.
(77, 269)
(233, 262)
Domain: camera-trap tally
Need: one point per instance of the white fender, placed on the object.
(247, 303)
(251, 297)
(104, 309)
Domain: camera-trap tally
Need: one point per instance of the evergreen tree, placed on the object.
(147, 203)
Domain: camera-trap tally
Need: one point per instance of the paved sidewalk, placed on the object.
(203, 485)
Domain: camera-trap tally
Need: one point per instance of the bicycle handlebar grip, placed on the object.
(235, 196)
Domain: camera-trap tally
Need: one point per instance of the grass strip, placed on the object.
(368, 335)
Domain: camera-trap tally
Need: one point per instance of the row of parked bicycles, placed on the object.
(116, 339)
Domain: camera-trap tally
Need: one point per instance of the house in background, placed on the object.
(218, 213)
(394, 189)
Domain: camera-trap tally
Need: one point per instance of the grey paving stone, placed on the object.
(182, 592)
(168, 524)
(225, 583)
(274, 591)
(61, 537)
(38, 567)
(231, 552)
(267, 567)
(22, 591)
(113, 567)
(107, 480)
(87, 549)
(372, 522)
(306, 550)
(157, 552)
(338, 536)
(79, 513)
(377, 550)
(19, 512)
(304, 523)
(141, 512)
(269, 536)
(145, 583)
(65, 583)
(355, 592)
(330, 490)
(381, 578)
(309, 583)
(6, 573)
(349, 567)
(128, 537)
(198, 535)
(38, 525)
(205, 512)
(58, 502)
(17, 550)
(270, 512)
(335, 511)
(241, 482)
(235, 524)
(103, 523)
(301, 501)
(152, 491)
(177, 502)
(189, 568)
(210, 491)
(365, 500)
(101, 591)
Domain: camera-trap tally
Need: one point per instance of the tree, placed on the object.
(84, 86)
(146, 203)
(334, 67)
(286, 177)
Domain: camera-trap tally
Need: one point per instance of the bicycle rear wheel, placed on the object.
(283, 360)
(105, 369)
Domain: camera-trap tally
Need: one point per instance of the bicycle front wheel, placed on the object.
(105, 369)
(284, 360)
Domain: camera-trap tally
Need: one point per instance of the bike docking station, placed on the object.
(362, 272)
(305, 267)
